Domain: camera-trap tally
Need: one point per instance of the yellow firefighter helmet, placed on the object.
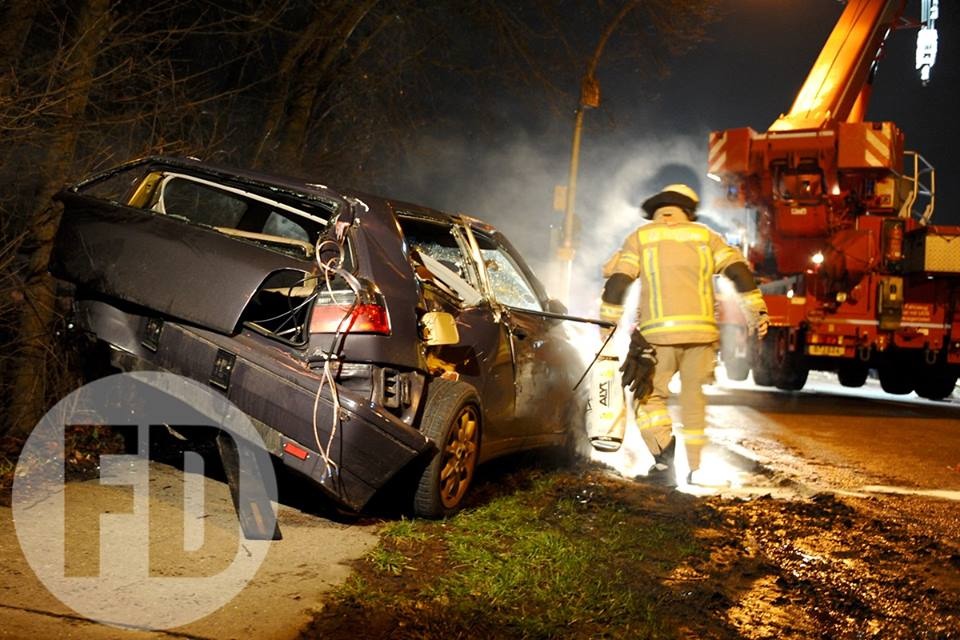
(679, 195)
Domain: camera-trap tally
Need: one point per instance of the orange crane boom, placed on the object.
(838, 85)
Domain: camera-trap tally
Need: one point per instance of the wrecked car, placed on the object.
(363, 336)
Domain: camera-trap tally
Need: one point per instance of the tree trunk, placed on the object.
(14, 29)
(281, 90)
(36, 318)
(289, 115)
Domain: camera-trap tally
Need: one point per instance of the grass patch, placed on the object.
(569, 556)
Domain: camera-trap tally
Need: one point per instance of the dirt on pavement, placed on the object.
(786, 564)
(820, 566)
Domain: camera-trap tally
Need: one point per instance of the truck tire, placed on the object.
(790, 369)
(895, 378)
(853, 374)
(451, 418)
(936, 384)
(762, 360)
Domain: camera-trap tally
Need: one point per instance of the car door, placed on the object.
(482, 357)
(526, 334)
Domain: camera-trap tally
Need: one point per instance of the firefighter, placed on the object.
(675, 259)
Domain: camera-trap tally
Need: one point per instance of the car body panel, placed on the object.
(273, 388)
(172, 294)
(145, 258)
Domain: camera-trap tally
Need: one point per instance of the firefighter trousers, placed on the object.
(696, 363)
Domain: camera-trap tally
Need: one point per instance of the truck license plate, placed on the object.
(825, 350)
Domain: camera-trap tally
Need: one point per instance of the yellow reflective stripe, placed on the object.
(706, 280)
(630, 258)
(677, 233)
(678, 321)
(651, 257)
(611, 312)
(643, 420)
(693, 436)
(662, 327)
(753, 297)
(659, 417)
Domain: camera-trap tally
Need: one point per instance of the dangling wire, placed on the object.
(290, 315)
(332, 268)
(331, 469)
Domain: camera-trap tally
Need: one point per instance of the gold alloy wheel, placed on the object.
(459, 457)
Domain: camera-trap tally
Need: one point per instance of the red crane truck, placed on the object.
(839, 230)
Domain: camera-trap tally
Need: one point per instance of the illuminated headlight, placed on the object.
(817, 258)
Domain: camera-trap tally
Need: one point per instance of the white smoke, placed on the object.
(511, 186)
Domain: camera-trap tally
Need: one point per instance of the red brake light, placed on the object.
(364, 318)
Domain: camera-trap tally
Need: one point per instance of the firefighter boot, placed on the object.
(665, 457)
(663, 472)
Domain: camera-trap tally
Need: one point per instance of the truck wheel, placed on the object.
(851, 374)
(936, 385)
(896, 378)
(451, 418)
(789, 367)
(762, 359)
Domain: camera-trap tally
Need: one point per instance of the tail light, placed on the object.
(358, 318)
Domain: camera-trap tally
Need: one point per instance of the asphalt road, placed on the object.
(839, 439)
(825, 438)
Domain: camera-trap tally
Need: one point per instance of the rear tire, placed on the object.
(790, 369)
(936, 384)
(852, 374)
(451, 418)
(762, 359)
(896, 379)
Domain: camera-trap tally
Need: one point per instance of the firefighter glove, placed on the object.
(638, 366)
(755, 311)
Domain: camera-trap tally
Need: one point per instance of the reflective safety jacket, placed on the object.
(675, 264)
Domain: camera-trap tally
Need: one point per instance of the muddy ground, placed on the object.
(789, 563)
(806, 566)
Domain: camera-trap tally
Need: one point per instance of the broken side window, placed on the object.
(507, 281)
(436, 246)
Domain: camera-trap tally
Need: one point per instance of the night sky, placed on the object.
(746, 75)
(761, 55)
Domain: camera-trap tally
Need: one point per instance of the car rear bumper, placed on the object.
(364, 446)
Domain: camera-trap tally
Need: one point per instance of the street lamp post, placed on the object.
(589, 98)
